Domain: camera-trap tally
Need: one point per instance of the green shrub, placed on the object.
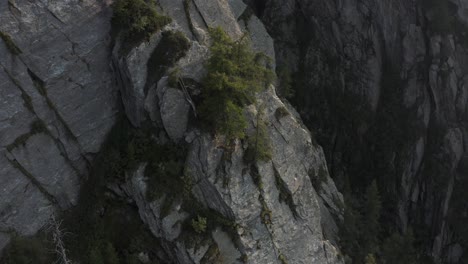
(11, 46)
(173, 78)
(281, 112)
(285, 83)
(165, 173)
(235, 74)
(172, 47)
(282, 259)
(28, 250)
(259, 143)
(137, 20)
(199, 224)
(398, 249)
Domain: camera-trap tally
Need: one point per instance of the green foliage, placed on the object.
(370, 259)
(165, 172)
(199, 224)
(106, 229)
(173, 78)
(371, 223)
(266, 214)
(281, 112)
(28, 250)
(137, 20)
(172, 47)
(286, 89)
(259, 143)
(234, 75)
(282, 259)
(398, 249)
(349, 232)
(10, 44)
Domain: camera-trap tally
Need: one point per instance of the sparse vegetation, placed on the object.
(172, 47)
(282, 259)
(281, 112)
(173, 78)
(234, 75)
(259, 142)
(199, 224)
(136, 20)
(28, 250)
(286, 89)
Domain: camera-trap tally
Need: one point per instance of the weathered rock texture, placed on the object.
(384, 86)
(57, 102)
(268, 227)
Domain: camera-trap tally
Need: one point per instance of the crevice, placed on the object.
(54, 15)
(200, 13)
(10, 44)
(33, 180)
(27, 100)
(36, 128)
(40, 86)
(285, 194)
(189, 18)
(73, 47)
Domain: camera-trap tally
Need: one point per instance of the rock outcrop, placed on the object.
(60, 80)
(57, 103)
(276, 221)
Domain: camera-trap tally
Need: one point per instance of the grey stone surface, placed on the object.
(229, 253)
(42, 159)
(23, 207)
(261, 41)
(61, 80)
(131, 74)
(174, 110)
(65, 69)
(225, 184)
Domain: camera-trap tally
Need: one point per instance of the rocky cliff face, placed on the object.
(61, 83)
(384, 86)
(58, 102)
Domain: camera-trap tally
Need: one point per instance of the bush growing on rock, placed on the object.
(259, 142)
(28, 250)
(235, 74)
(172, 47)
(137, 20)
(199, 224)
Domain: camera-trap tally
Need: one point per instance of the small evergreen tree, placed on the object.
(137, 20)
(398, 249)
(371, 228)
(259, 142)
(235, 74)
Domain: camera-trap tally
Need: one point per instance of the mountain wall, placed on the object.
(383, 85)
(66, 83)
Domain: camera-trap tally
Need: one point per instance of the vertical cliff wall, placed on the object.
(383, 84)
(64, 81)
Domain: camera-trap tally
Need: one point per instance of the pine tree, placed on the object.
(235, 74)
(398, 249)
(371, 225)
